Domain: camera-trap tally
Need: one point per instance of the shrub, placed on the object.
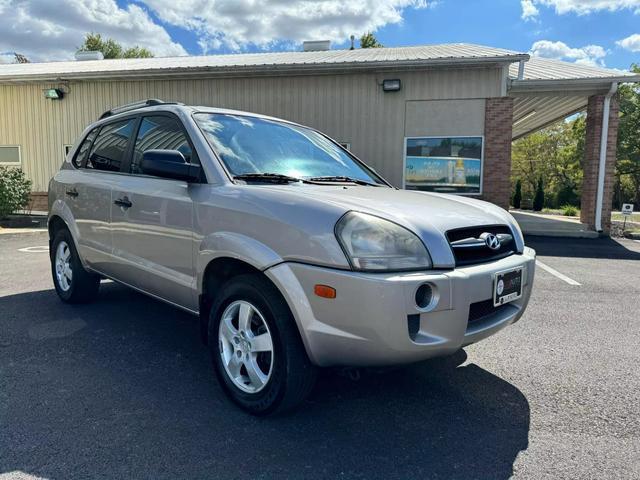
(569, 210)
(517, 195)
(538, 199)
(15, 188)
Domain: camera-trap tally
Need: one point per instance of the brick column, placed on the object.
(496, 171)
(592, 162)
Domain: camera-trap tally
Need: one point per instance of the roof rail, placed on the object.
(135, 105)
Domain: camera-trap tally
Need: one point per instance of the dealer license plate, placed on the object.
(507, 286)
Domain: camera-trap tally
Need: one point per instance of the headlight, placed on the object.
(374, 244)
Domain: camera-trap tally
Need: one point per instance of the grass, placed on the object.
(566, 210)
(630, 218)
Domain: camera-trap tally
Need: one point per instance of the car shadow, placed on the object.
(122, 388)
(604, 247)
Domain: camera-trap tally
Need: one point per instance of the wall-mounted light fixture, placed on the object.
(53, 93)
(391, 85)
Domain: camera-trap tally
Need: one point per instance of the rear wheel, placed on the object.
(256, 349)
(72, 282)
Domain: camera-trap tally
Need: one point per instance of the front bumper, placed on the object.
(367, 324)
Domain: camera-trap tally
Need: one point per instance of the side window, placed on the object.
(159, 132)
(83, 151)
(110, 146)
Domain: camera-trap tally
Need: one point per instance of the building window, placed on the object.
(10, 155)
(444, 164)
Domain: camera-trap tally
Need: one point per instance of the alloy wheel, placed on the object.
(246, 346)
(64, 273)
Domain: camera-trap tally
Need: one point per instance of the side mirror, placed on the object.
(169, 164)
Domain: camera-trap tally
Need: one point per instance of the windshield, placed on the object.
(256, 145)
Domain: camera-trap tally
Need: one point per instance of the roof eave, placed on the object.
(288, 69)
(592, 83)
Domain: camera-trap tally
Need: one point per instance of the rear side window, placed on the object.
(159, 132)
(83, 151)
(110, 147)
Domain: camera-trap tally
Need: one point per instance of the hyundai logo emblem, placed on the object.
(492, 241)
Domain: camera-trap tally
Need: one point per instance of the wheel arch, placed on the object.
(218, 271)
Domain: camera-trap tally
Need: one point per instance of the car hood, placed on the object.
(428, 215)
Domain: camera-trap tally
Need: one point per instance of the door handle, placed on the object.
(72, 193)
(123, 202)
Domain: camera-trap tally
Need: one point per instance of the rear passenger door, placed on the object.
(99, 160)
(152, 218)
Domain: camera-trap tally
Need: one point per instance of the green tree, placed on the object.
(538, 199)
(517, 195)
(628, 152)
(368, 40)
(555, 154)
(93, 42)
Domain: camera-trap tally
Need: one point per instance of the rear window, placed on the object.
(83, 152)
(109, 148)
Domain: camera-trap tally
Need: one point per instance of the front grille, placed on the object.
(480, 310)
(469, 248)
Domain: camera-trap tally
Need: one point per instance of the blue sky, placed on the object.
(595, 32)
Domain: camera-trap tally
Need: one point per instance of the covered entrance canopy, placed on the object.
(545, 91)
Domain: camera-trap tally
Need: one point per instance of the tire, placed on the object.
(72, 282)
(266, 381)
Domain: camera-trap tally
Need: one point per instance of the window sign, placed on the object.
(444, 164)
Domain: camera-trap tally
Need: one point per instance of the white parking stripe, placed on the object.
(556, 273)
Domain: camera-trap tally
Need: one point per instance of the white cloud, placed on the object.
(236, 24)
(632, 42)
(581, 7)
(48, 30)
(592, 55)
(529, 10)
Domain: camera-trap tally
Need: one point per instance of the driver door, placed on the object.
(152, 218)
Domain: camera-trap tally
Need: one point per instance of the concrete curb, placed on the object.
(20, 231)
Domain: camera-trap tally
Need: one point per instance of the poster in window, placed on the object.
(444, 164)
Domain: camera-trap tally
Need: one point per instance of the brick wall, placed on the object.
(39, 202)
(592, 162)
(498, 123)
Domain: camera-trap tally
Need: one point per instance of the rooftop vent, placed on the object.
(83, 56)
(316, 45)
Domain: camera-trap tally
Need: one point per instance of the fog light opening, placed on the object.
(424, 296)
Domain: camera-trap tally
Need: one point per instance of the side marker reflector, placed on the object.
(324, 291)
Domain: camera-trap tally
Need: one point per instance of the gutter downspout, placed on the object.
(521, 70)
(603, 154)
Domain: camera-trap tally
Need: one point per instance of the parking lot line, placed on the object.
(556, 273)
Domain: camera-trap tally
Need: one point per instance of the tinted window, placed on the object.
(259, 145)
(110, 146)
(83, 151)
(159, 133)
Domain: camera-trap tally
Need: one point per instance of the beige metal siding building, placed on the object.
(448, 128)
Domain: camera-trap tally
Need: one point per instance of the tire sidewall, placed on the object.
(64, 235)
(268, 398)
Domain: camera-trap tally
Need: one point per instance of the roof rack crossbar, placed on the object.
(135, 105)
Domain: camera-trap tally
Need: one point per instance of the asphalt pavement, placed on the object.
(122, 388)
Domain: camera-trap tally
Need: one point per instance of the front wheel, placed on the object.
(72, 282)
(256, 349)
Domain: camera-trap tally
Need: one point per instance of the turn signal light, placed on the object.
(324, 291)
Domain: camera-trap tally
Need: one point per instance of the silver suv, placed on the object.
(293, 253)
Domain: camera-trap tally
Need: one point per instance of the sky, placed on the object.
(603, 33)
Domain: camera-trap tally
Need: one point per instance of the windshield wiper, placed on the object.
(268, 177)
(343, 179)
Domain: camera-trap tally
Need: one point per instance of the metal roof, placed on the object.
(546, 69)
(272, 62)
